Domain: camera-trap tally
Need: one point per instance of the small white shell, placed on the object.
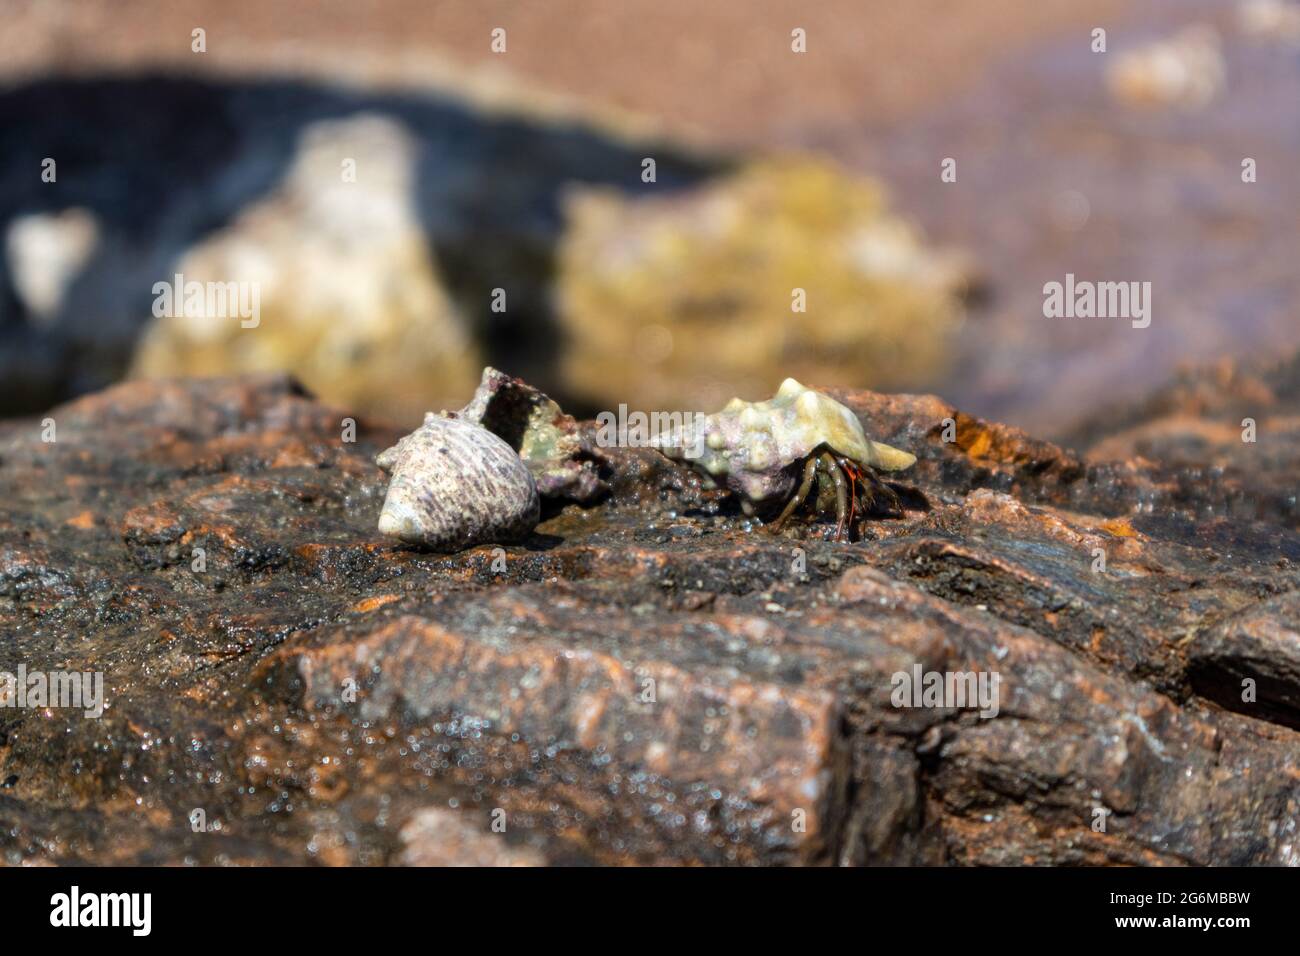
(455, 485)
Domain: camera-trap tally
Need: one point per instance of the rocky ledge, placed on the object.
(648, 679)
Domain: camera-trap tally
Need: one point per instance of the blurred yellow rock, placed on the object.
(344, 279)
(686, 299)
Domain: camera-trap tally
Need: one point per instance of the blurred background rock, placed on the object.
(348, 287)
(784, 269)
(516, 178)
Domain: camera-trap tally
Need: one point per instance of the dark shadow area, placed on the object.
(1221, 682)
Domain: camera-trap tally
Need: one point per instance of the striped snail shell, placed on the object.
(455, 485)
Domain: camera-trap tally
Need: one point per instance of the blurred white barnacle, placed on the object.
(1185, 70)
(44, 253)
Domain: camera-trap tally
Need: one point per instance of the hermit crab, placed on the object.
(798, 446)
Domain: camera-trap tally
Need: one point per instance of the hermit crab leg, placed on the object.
(809, 476)
(850, 469)
(841, 493)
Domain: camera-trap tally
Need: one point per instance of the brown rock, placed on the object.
(324, 696)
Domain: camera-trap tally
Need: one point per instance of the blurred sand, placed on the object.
(716, 68)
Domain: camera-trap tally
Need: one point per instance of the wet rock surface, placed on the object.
(647, 678)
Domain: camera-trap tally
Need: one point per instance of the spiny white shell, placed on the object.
(455, 485)
(754, 445)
